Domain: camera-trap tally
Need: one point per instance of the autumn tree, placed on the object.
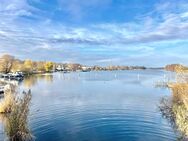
(6, 63)
(17, 66)
(28, 66)
(9, 64)
(41, 66)
(48, 66)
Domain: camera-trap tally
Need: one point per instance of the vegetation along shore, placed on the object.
(17, 68)
(176, 108)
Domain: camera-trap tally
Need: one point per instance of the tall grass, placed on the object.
(8, 100)
(15, 109)
(176, 109)
(176, 113)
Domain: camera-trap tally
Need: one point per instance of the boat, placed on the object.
(2, 89)
(13, 76)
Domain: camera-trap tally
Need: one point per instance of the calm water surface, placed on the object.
(98, 106)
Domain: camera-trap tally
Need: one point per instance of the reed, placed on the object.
(8, 100)
(176, 113)
(15, 109)
(17, 126)
(176, 109)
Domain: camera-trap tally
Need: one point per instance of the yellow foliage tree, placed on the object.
(48, 66)
(28, 65)
(17, 66)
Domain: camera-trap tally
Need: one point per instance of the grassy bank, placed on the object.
(176, 108)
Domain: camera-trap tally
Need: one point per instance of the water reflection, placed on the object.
(103, 106)
(31, 81)
(176, 109)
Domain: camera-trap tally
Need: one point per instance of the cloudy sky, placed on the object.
(102, 32)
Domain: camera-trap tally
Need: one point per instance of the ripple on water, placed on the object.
(100, 108)
(122, 123)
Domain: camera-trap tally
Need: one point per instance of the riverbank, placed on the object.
(176, 109)
(10, 64)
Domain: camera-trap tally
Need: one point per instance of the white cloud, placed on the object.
(49, 38)
(184, 15)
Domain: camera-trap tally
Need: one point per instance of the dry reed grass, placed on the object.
(176, 109)
(6, 103)
(15, 109)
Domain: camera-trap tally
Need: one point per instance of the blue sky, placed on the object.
(96, 32)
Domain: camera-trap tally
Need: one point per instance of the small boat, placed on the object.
(13, 76)
(86, 70)
(17, 74)
(66, 71)
(1, 89)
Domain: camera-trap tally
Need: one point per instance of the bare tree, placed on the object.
(6, 63)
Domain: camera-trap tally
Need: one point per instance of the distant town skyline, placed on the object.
(96, 32)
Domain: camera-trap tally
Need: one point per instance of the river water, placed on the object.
(98, 106)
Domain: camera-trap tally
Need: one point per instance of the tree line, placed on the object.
(9, 64)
